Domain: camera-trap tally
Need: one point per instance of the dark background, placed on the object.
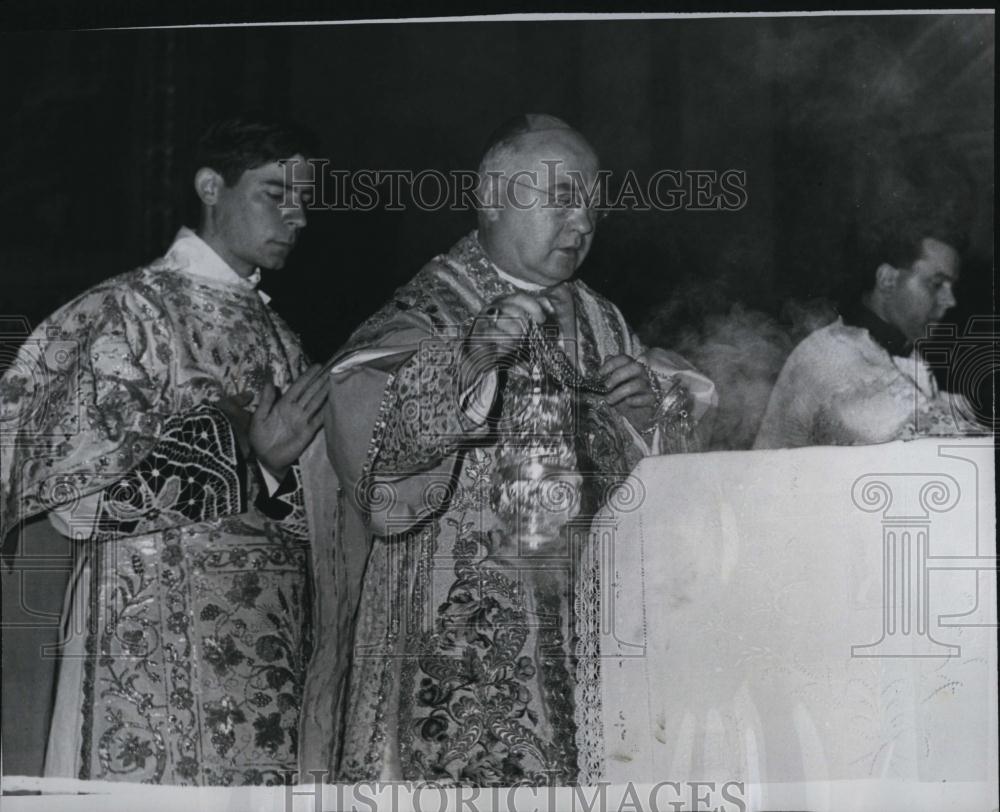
(99, 130)
(100, 127)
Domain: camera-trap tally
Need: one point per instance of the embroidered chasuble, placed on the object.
(186, 630)
(463, 652)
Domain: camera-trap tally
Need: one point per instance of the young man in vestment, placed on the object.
(474, 421)
(157, 419)
(862, 380)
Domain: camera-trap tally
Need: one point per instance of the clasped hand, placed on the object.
(629, 390)
(282, 425)
(500, 327)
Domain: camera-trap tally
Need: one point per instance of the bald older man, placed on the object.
(491, 373)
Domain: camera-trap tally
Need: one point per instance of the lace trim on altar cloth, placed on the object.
(588, 714)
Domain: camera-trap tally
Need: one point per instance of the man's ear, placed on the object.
(489, 213)
(207, 185)
(886, 276)
(488, 196)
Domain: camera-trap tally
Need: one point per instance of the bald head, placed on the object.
(529, 143)
(507, 136)
(534, 221)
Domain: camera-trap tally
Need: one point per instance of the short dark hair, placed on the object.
(921, 191)
(233, 145)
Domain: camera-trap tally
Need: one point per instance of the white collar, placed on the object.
(518, 283)
(521, 284)
(191, 254)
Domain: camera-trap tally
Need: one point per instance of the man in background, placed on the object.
(861, 379)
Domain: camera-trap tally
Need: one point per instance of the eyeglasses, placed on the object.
(569, 200)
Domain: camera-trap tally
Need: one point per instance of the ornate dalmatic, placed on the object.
(472, 494)
(186, 630)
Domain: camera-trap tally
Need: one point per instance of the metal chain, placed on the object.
(547, 354)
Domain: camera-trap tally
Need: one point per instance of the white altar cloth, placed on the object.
(742, 593)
